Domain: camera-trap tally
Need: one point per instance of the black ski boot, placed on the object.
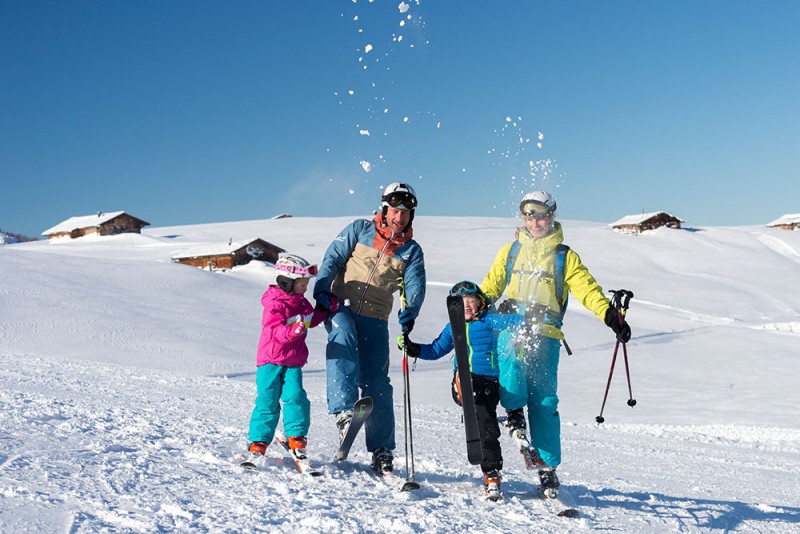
(549, 482)
(343, 419)
(382, 460)
(516, 423)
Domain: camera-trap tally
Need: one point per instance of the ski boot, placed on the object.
(343, 419)
(382, 460)
(491, 483)
(516, 423)
(256, 457)
(549, 482)
(297, 445)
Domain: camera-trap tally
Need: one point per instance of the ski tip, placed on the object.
(410, 486)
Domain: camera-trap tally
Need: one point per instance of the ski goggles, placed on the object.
(465, 287)
(536, 210)
(401, 200)
(311, 270)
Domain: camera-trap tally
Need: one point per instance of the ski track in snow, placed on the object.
(115, 448)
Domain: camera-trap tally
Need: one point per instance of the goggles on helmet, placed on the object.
(311, 270)
(537, 210)
(465, 287)
(401, 200)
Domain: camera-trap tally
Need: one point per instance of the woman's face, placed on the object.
(539, 227)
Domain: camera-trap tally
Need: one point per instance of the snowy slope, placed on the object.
(127, 382)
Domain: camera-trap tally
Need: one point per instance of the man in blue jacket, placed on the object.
(361, 268)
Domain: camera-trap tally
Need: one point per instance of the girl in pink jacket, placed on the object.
(282, 352)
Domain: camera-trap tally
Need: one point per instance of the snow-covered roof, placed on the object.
(83, 221)
(215, 250)
(789, 218)
(640, 218)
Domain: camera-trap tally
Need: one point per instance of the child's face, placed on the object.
(300, 286)
(472, 305)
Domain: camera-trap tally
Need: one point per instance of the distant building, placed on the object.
(226, 256)
(117, 222)
(634, 224)
(789, 221)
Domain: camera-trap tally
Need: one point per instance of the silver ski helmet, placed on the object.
(290, 267)
(538, 204)
(399, 195)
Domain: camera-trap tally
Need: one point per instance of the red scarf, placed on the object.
(383, 233)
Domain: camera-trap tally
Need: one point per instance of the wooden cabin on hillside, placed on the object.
(635, 224)
(227, 256)
(116, 222)
(790, 221)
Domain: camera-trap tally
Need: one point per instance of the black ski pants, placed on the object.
(487, 397)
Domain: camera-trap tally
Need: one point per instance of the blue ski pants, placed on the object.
(357, 358)
(541, 360)
(276, 384)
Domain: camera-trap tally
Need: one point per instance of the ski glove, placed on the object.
(297, 329)
(412, 349)
(623, 331)
(324, 301)
(334, 307)
(406, 319)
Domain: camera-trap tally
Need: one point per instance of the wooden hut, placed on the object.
(227, 256)
(635, 224)
(117, 222)
(790, 221)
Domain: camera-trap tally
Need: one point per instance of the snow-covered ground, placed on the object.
(126, 384)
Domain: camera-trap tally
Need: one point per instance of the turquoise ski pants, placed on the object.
(276, 384)
(542, 380)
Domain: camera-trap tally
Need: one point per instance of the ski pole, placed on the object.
(409, 437)
(620, 301)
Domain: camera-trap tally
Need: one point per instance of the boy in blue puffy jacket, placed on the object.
(497, 377)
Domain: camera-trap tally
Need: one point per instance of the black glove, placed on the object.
(411, 348)
(623, 331)
(406, 319)
(323, 299)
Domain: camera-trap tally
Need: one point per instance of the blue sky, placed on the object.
(190, 112)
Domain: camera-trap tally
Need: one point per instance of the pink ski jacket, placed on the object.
(281, 312)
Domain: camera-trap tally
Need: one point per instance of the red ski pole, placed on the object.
(620, 302)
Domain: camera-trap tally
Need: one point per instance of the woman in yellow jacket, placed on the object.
(536, 272)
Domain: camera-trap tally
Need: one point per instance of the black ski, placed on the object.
(455, 309)
(361, 410)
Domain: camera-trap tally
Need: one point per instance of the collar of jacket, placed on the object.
(276, 293)
(386, 232)
(542, 244)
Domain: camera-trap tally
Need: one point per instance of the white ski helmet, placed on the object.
(292, 266)
(538, 204)
(399, 195)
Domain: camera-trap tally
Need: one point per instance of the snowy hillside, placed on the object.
(127, 382)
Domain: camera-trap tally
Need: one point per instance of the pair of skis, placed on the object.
(361, 410)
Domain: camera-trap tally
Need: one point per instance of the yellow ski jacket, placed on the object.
(533, 279)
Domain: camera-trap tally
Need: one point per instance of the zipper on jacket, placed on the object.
(372, 273)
